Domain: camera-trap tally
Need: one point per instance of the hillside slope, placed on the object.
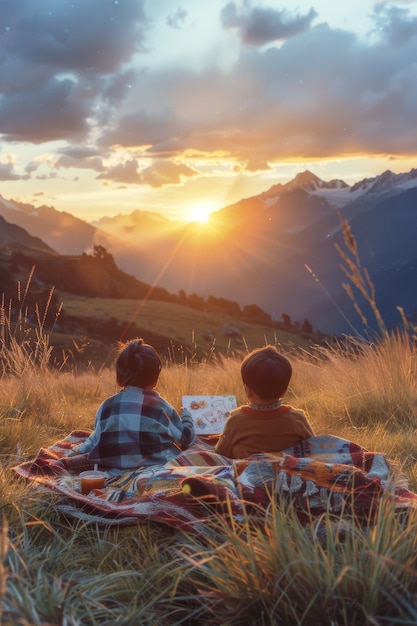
(88, 305)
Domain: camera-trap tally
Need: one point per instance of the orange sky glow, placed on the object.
(109, 106)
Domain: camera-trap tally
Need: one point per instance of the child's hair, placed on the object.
(266, 372)
(138, 364)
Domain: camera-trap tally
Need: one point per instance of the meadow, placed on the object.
(274, 572)
(202, 331)
(331, 571)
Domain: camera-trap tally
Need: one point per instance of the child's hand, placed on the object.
(186, 416)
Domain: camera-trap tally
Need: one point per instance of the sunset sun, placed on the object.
(200, 213)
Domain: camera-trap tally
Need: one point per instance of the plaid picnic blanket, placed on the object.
(320, 474)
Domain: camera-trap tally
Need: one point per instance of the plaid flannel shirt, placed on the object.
(137, 427)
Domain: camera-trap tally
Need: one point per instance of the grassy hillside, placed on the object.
(91, 305)
(176, 328)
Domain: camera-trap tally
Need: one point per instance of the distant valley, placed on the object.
(260, 250)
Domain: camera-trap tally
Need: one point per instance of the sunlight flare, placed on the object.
(200, 213)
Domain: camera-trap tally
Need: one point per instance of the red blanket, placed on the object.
(320, 474)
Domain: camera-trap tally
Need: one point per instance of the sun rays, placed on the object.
(200, 213)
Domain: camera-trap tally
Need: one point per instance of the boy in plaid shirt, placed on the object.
(137, 427)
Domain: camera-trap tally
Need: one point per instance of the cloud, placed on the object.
(394, 25)
(52, 110)
(117, 86)
(256, 165)
(123, 173)
(88, 163)
(177, 18)
(325, 92)
(143, 128)
(63, 62)
(82, 73)
(7, 172)
(160, 172)
(259, 26)
(88, 37)
(163, 172)
(83, 157)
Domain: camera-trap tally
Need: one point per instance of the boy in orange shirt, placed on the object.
(264, 424)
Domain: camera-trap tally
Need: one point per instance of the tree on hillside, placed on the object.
(254, 312)
(223, 305)
(196, 302)
(307, 326)
(100, 254)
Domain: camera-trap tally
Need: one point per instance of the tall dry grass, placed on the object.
(277, 572)
(333, 571)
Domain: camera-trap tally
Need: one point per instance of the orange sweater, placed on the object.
(251, 431)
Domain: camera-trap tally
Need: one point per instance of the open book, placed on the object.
(209, 412)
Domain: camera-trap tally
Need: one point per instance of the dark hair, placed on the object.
(266, 372)
(138, 364)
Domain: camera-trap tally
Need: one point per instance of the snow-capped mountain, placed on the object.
(276, 249)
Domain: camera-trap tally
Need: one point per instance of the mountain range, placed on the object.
(276, 249)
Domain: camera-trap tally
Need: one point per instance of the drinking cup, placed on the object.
(92, 479)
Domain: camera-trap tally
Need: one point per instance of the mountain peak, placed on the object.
(386, 181)
(304, 180)
(310, 182)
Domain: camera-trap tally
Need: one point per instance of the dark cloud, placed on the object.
(88, 163)
(54, 110)
(117, 86)
(394, 24)
(7, 172)
(62, 64)
(96, 36)
(79, 153)
(82, 157)
(144, 128)
(259, 26)
(32, 166)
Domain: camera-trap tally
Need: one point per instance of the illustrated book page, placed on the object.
(209, 412)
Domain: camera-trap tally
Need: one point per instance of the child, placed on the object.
(264, 424)
(137, 427)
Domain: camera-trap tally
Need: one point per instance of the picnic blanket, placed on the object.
(320, 474)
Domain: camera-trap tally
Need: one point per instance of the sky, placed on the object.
(186, 106)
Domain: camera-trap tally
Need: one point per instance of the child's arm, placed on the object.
(91, 441)
(88, 444)
(188, 433)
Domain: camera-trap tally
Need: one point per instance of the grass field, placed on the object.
(183, 324)
(276, 572)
